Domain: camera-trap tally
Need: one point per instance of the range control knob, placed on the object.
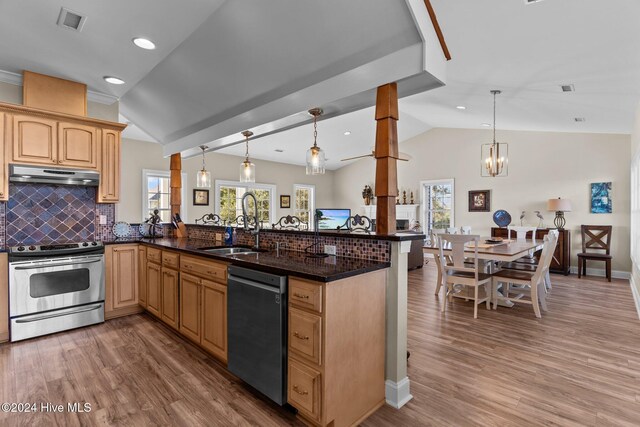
(94, 243)
(85, 244)
(32, 248)
(20, 248)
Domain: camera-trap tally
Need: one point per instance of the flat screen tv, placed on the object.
(331, 219)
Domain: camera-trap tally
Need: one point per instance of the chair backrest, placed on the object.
(548, 249)
(596, 237)
(521, 232)
(457, 242)
(465, 229)
(452, 230)
(290, 222)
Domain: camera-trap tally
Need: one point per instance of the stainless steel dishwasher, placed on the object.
(256, 322)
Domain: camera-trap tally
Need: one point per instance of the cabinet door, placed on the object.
(142, 279)
(154, 288)
(169, 300)
(109, 189)
(190, 314)
(125, 276)
(4, 167)
(35, 140)
(214, 318)
(77, 146)
(4, 297)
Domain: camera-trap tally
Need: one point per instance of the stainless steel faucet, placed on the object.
(245, 207)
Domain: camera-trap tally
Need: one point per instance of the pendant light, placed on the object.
(495, 159)
(203, 177)
(315, 154)
(247, 169)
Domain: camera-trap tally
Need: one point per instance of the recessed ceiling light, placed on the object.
(488, 125)
(567, 88)
(461, 107)
(113, 80)
(144, 43)
(347, 133)
(279, 150)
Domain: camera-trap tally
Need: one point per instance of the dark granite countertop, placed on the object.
(292, 263)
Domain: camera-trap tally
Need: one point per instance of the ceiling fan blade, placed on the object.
(404, 157)
(357, 157)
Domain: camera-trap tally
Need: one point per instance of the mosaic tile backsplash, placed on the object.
(39, 213)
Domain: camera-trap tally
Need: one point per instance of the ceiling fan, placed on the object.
(401, 156)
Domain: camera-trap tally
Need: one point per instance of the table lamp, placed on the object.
(560, 206)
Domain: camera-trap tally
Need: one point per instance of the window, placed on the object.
(437, 204)
(229, 200)
(304, 202)
(156, 194)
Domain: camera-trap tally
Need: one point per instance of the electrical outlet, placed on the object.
(330, 249)
(103, 220)
(218, 236)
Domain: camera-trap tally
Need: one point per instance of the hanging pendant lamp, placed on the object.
(203, 177)
(495, 160)
(315, 155)
(247, 169)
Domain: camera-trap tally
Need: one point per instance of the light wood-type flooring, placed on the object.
(577, 366)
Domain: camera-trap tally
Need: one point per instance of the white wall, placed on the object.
(138, 155)
(542, 165)
(635, 233)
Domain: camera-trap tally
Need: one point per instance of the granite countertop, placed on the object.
(286, 262)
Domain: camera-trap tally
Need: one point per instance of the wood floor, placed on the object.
(578, 365)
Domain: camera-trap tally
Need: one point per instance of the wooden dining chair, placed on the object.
(595, 238)
(521, 233)
(458, 273)
(530, 284)
(452, 230)
(530, 267)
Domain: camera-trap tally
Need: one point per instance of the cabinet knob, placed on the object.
(302, 337)
(297, 390)
(53, 161)
(1, 194)
(297, 295)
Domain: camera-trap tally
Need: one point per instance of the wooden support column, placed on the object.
(176, 183)
(386, 153)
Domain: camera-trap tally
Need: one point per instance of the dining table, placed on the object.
(489, 252)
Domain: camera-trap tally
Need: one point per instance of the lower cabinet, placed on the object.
(154, 288)
(142, 279)
(121, 280)
(214, 318)
(190, 306)
(169, 304)
(4, 297)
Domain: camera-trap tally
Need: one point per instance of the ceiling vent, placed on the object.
(579, 119)
(568, 88)
(531, 1)
(71, 20)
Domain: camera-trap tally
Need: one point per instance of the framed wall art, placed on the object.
(480, 201)
(601, 197)
(200, 197)
(285, 202)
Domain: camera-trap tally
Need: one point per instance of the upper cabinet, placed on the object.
(4, 174)
(35, 140)
(78, 146)
(109, 190)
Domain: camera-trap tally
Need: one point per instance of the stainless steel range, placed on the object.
(55, 287)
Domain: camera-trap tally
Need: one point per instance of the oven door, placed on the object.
(43, 285)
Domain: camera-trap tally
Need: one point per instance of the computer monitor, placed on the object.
(331, 219)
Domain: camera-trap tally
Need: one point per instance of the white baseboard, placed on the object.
(397, 394)
(636, 294)
(600, 272)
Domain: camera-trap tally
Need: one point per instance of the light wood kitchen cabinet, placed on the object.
(214, 318)
(154, 288)
(4, 166)
(142, 279)
(4, 297)
(35, 140)
(78, 145)
(336, 348)
(121, 280)
(169, 298)
(109, 188)
(190, 306)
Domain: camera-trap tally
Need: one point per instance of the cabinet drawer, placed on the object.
(207, 269)
(170, 259)
(305, 295)
(305, 335)
(154, 255)
(303, 389)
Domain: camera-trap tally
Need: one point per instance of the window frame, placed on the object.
(424, 202)
(272, 188)
(146, 173)
(312, 201)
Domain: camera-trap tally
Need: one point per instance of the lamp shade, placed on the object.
(559, 205)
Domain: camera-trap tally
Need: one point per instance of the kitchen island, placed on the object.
(336, 315)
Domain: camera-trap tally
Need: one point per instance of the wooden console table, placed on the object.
(561, 261)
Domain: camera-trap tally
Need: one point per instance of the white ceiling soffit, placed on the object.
(260, 65)
(30, 38)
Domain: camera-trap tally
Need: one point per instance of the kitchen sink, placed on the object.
(230, 251)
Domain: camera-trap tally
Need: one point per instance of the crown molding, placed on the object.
(101, 98)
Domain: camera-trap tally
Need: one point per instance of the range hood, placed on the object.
(58, 176)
